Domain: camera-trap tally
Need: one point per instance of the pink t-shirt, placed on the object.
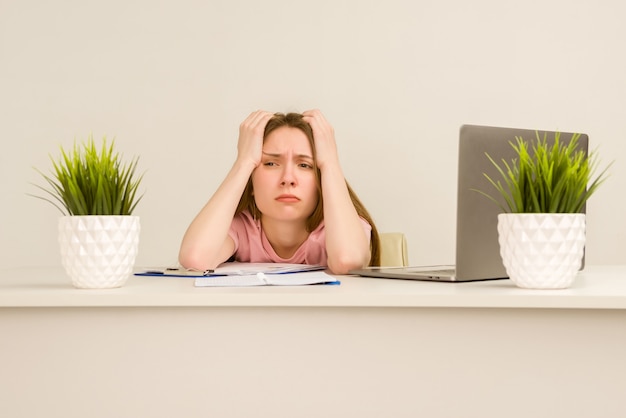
(252, 246)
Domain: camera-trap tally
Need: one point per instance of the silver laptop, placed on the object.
(477, 248)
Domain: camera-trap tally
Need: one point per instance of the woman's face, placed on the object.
(284, 184)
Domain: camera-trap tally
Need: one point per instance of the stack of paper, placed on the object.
(263, 279)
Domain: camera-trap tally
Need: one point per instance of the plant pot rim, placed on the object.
(108, 216)
(542, 214)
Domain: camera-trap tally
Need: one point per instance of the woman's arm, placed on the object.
(347, 244)
(206, 242)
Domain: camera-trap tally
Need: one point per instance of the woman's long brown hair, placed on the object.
(295, 120)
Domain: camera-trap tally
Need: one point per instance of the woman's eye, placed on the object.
(269, 164)
(305, 165)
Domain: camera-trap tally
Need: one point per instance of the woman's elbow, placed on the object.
(193, 260)
(343, 265)
(205, 258)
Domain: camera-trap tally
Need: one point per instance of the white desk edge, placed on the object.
(597, 287)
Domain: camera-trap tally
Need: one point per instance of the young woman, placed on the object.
(284, 200)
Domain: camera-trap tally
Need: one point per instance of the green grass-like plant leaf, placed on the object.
(546, 178)
(91, 181)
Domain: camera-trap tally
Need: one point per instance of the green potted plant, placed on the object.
(97, 194)
(544, 188)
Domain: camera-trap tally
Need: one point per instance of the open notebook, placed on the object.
(267, 279)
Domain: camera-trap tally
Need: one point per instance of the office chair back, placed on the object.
(393, 249)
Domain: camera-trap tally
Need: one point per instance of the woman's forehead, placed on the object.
(287, 139)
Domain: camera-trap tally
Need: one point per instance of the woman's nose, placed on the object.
(289, 177)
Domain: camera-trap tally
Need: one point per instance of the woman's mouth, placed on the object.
(287, 198)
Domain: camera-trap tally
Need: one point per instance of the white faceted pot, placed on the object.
(541, 250)
(98, 252)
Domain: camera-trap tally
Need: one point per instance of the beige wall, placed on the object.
(172, 80)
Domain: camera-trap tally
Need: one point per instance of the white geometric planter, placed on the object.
(541, 250)
(98, 252)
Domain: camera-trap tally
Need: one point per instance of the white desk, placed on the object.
(368, 348)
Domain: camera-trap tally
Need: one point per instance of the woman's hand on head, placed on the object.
(250, 145)
(324, 135)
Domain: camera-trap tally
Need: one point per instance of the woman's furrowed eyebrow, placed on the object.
(276, 155)
(271, 154)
